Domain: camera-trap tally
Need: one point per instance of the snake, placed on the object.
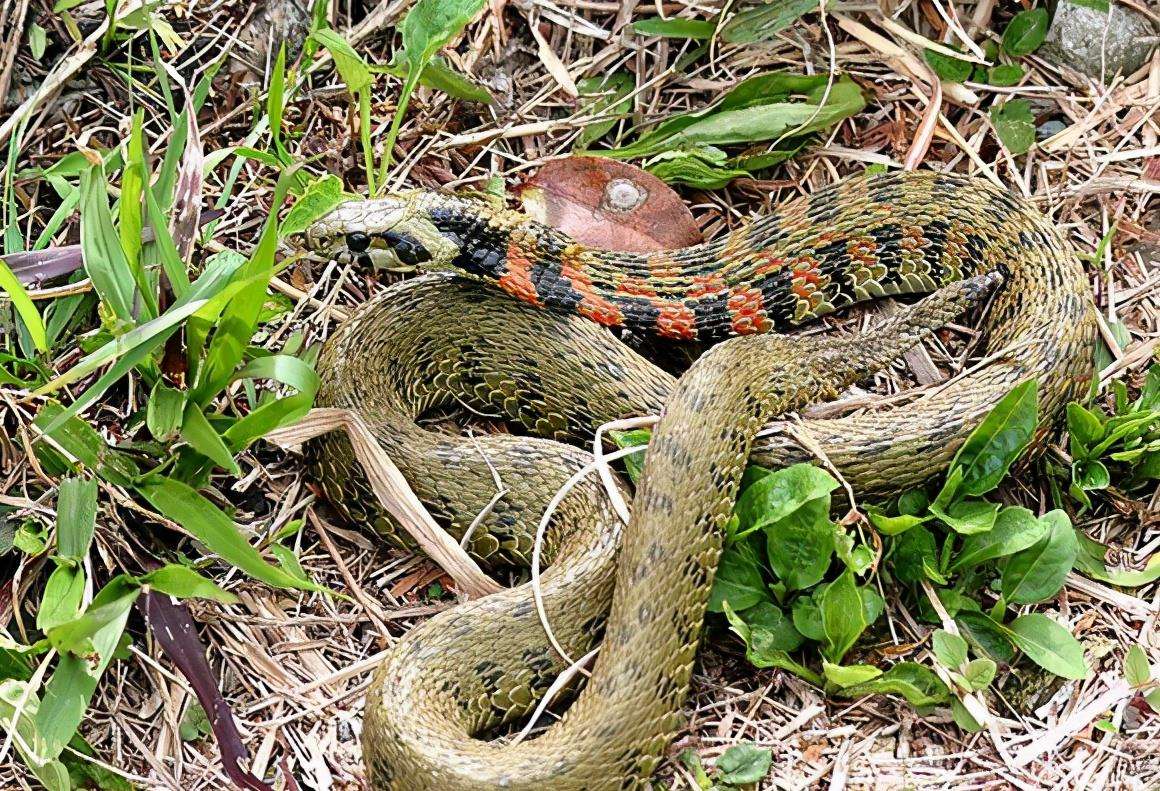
(517, 321)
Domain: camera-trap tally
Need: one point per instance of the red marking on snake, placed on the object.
(770, 263)
(806, 276)
(676, 320)
(747, 311)
(517, 280)
(593, 304)
(704, 285)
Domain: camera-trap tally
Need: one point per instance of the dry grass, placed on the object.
(295, 666)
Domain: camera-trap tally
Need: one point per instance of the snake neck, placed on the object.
(864, 238)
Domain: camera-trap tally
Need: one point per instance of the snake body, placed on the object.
(542, 361)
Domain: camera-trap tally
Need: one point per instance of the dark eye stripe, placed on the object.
(357, 242)
(408, 250)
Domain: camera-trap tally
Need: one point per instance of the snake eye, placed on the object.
(357, 242)
(407, 249)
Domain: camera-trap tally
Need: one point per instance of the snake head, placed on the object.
(393, 232)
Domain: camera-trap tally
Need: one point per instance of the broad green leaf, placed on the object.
(779, 494)
(1137, 671)
(76, 517)
(703, 167)
(950, 649)
(1037, 573)
(743, 763)
(800, 544)
(351, 67)
(283, 369)
(163, 411)
(760, 651)
(849, 675)
(963, 718)
(1091, 475)
(968, 516)
(24, 306)
(911, 549)
(440, 76)
(1084, 429)
(807, 617)
(1090, 561)
(206, 522)
(762, 22)
(918, 684)
(674, 27)
(947, 68)
(738, 581)
(320, 197)
(203, 437)
(1014, 126)
(110, 606)
(985, 636)
(978, 673)
(1025, 32)
(1048, 645)
(1015, 529)
(61, 600)
(999, 440)
(185, 583)
(1005, 75)
(843, 619)
(770, 628)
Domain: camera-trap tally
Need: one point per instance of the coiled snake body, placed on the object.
(545, 363)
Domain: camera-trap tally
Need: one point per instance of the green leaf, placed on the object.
(770, 628)
(807, 617)
(674, 27)
(969, 516)
(849, 675)
(206, 522)
(743, 763)
(1005, 75)
(634, 462)
(37, 40)
(614, 99)
(76, 517)
(1038, 572)
(917, 683)
(999, 440)
(950, 649)
(985, 636)
(104, 260)
(202, 437)
(775, 496)
(762, 22)
(185, 583)
(438, 75)
(1015, 529)
(692, 762)
(1025, 32)
(738, 580)
(947, 68)
(320, 197)
(843, 619)
(61, 600)
(110, 606)
(963, 718)
(1085, 430)
(978, 673)
(1048, 645)
(893, 525)
(760, 650)
(194, 724)
(1014, 126)
(24, 306)
(702, 167)
(1137, 671)
(911, 550)
(800, 545)
(351, 67)
(163, 412)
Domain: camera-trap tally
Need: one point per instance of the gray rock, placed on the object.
(1096, 44)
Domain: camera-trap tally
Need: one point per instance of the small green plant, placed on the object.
(1124, 440)
(742, 765)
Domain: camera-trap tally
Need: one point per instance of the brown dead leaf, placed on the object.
(609, 204)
